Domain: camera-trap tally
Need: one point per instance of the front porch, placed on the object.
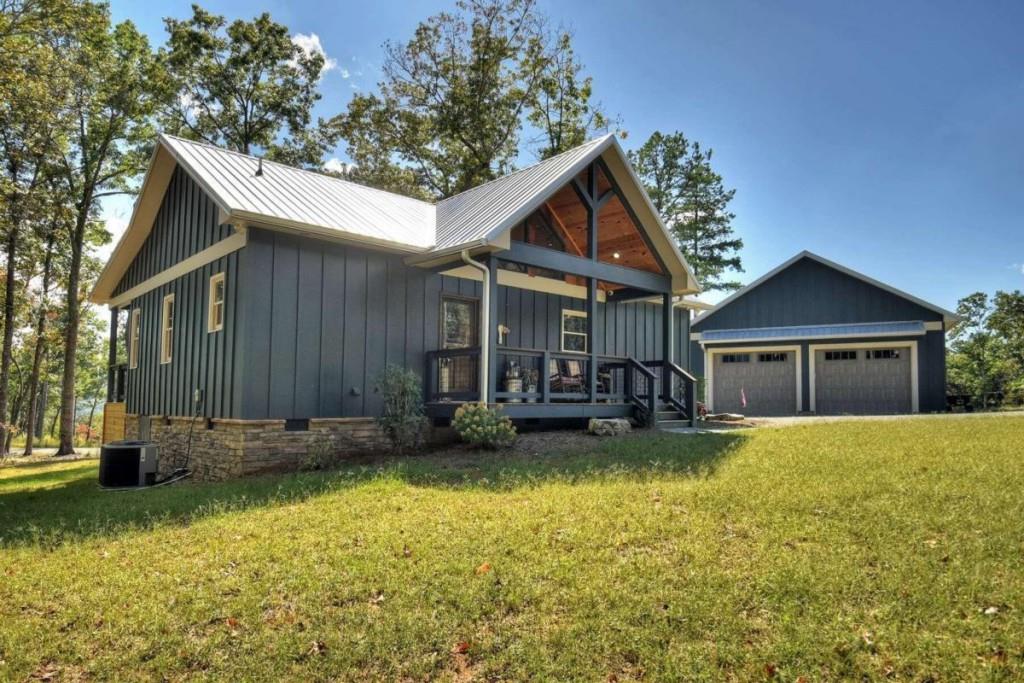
(541, 384)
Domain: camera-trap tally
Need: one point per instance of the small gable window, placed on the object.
(215, 321)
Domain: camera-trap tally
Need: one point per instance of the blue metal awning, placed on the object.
(896, 329)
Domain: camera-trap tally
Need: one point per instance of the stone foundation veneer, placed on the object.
(225, 449)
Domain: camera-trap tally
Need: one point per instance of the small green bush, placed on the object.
(403, 420)
(479, 425)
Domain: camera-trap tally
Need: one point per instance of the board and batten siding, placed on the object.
(323, 320)
(185, 225)
(201, 360)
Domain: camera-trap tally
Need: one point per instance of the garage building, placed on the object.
(812, 336)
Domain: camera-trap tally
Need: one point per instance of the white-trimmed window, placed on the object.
(574, 330)
(167, 330)
(134, 333)
(215, 319)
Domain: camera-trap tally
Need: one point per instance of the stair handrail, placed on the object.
(652, 393)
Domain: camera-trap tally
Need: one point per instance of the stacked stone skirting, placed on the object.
(225, 449)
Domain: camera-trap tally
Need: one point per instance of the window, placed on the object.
(883, 354)
(135, 327)
(167, 330)
(459, 329)
(574, 331)
(736, 358)
(771, 357)
(215, 321)
(840, 355)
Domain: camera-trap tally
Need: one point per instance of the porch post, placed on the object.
(592, 283)
(112, 356)
(591, 343)
(492, 333)
(666, 345)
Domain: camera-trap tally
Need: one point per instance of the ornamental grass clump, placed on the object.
(479, 425)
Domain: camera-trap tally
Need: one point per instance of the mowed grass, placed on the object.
(860, 550)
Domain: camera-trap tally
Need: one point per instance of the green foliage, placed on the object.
(986, 347)
(454, 98)
(858, 551)
(479, 425)
(241, 85)
(319, 455)
(692, 200)
(402, 419)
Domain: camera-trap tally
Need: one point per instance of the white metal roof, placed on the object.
(487, 210)
(306, 198)
(287, 198)
(948, 316)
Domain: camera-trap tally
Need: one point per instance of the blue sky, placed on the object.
(886, 136)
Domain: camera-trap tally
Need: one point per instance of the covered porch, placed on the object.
(584, 252)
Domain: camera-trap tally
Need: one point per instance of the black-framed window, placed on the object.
(883, 354)
(772, 357)
(736, 358)
(841, 355)
(459, 328)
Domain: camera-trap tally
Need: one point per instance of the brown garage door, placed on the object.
(766, 379)
(862, 381)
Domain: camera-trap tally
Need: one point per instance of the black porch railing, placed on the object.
(676, 387)
(452, 375)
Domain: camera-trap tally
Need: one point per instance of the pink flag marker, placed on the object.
(743, 397)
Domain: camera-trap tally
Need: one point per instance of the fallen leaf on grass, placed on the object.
(461, 648)
(989, 611)
(770, 670)
(317, 647)
(484, 568)
(376, 598)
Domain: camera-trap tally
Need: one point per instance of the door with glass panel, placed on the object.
(459, 330)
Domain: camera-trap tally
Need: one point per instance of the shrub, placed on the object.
(319, 455)
(403, 420)
(479, 425)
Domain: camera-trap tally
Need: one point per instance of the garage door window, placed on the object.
(840, 355)
(736, 358)
(771, 357)
(883, 354)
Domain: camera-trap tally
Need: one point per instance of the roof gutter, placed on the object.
(485, 323)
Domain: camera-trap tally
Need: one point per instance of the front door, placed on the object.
(459, 330)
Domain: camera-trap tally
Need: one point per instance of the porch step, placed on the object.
(673, 424)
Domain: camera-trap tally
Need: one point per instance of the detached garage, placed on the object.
(812, 336)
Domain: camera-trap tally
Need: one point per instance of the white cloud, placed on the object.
(311, 45)
(336, 165)
(345, 73)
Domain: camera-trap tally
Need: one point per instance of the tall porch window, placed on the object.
(167, 330)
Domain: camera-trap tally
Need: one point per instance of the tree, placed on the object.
(243, 85)
(986, 352)
(564, 113)
(692, 200)
(117, 89)
(32, 80)
(455, 97)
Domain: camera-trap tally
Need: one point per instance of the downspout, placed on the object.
(485, 323)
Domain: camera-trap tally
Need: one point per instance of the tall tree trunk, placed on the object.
(5, 357)
(40, 350)
(67, 391)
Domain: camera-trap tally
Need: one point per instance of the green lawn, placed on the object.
(860, 550)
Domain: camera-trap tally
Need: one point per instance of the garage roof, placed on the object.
(816, 332)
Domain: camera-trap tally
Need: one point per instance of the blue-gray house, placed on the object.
(812, 336)
(266, 300)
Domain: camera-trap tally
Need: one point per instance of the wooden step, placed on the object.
(672, 424)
